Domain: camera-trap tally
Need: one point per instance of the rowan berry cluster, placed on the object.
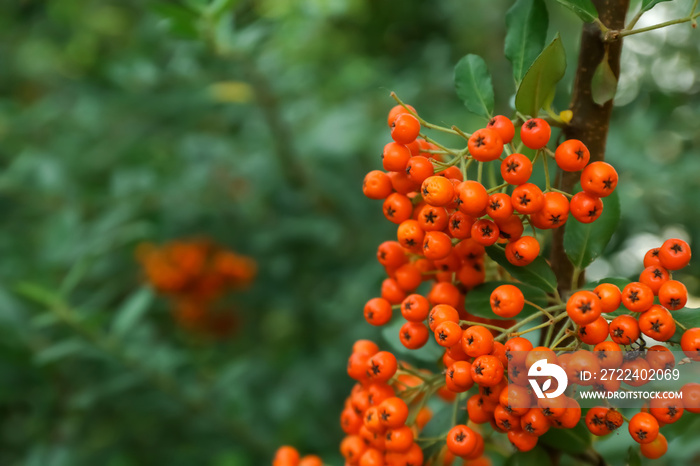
(436, 206)
(446, 222)
(196, 275)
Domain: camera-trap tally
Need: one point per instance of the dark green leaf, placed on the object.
(474, 86)
(584, 9)
(576, 440)
(541, 78)
(478, 300)
(604, 82)
(535, 457)
(584, 242)
(633, 458)
(689, 318)
(526, 22)
(649, 4)
(538, 273)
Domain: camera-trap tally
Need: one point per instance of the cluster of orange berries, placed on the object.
(436, 209)
(196, 274)
(653, 320)
(445, 223)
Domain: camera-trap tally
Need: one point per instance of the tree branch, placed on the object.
(591, 121)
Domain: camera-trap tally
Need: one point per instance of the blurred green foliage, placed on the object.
(127, 121)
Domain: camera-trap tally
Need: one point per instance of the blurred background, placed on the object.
(238, 133)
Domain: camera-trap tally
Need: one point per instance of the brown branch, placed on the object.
(591, 121)
(280, 132)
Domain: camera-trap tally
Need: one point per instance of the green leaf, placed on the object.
(59, 351)
(576, 440)
(689, 318)
(541, 78)
(633, 458)
(535, 457)
(584, 242)
(526, 22)
(181, 20)
(38, 294)
(538, 273)
(474, 86)
(218, 8)
(603, 83)
(584, 9)
(478, 300)
(649, 4)
(431, 352)
(133, 309)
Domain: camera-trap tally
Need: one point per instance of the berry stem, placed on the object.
(496, 188)
(465, 167)
(461, 133)
(575, 277)
(566, 348)
(433, 141)
(548, 182)
(410, 371)
(429, 389)
(543, 325)
(555, 190)
(421, 120)
(480, 172)
(455, 408)
(522, 117)
(562, 335)
(492, 327)
(540, 308)
(526, 320)
(683, 327)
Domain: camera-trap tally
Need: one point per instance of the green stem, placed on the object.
(680, 325)
(541, 309)
(492, 327)
(522, 117)
(574, 277)
(455, 408)
(548, 338)
(555, 190)
(611, 36)
(433, 141)
(461, 133)
(526, 320)
(480, 171)
(496, 188)
(562, 334)
(543, 325)
(632, 22)
(548, 182)
(421, 120)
